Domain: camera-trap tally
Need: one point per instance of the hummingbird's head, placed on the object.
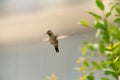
(49, 32)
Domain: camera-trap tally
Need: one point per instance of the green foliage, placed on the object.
(108, 14)
(103, 65)
(99, 25)
(99, 4)
(96, 16)
(104, 78)
(96, 65)
(117, 20)
(108, 44)
(117, 10)
(117, 7)
(85, 23)
(86, 63)
(90, 77)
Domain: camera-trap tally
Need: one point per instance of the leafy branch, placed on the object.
(108, 43)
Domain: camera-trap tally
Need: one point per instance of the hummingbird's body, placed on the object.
(53, 40)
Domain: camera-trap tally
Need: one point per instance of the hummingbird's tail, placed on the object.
(56, 49)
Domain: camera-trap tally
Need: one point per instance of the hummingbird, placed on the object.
(53, 39)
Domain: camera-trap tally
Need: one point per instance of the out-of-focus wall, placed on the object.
(37, 60)
(18, 6)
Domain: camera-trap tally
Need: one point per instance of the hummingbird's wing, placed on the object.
(62, 36)
(46, 39)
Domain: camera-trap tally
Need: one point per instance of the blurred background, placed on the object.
(23, 22)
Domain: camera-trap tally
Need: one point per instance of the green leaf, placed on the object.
(117, 20)
(89, 45)
(109, 71)
(103, 64)
(92, 46)
(105, 36)
(108, 14)
(100, 5)
(113, 6)
(117, 10)
(109, 62)
(101, 47)
(113, 28)
(86, 63)
(96, 65)
(118, 64)
(116, 59)
(96, 16)
(114, 31)
(83, 68)
(112, 72)
(85, 23)
(116, 44)
(108, 53)
(116, 47)
(99, 25)
(90, 77)
(104, 78)
(106, 23)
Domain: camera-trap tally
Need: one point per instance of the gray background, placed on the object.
(23, 56)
